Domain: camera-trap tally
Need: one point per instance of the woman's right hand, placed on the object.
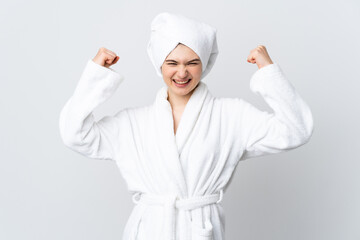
(105, 57)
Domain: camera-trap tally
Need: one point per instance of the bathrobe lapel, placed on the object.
(171, 145)
(190, 115)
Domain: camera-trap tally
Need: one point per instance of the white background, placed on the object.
(48, 191)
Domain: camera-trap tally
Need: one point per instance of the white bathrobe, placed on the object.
(178, 181)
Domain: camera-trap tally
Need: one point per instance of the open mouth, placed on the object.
(181, 83)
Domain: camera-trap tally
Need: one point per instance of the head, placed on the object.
(182, 64)
(198, 41)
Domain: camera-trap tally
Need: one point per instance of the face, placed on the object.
(181, 65)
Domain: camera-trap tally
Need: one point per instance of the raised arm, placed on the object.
(78, 128)
(289, 126)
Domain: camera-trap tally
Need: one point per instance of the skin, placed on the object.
(259, 56)
(178, 65)
(105, 57)
(182, 69)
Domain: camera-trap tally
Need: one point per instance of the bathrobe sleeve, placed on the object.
(78, 128)
(289, 126)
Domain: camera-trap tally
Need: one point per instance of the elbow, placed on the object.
(302, 130)
(302, 133)
(85, 143)
(303, 138)
(70, 136)
(77, 134)
(66, 134)
(70, 130)
(75, 142)
(73, 138)
(307, 128)
(68, 141)
(293, 135)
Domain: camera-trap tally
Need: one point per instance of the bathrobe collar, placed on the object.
(171, 145)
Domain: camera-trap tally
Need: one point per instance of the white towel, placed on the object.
(169, 29)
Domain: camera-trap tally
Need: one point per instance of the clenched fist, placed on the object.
(105, 57)
(260, 56)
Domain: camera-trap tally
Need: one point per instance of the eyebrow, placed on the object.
(170, 60)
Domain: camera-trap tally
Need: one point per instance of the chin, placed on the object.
(181, 92)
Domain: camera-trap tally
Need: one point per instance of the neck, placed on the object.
(179, 102)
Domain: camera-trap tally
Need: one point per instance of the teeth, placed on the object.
(182, 82)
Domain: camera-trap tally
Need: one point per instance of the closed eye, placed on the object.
(175, 63)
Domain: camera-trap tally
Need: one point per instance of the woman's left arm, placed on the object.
(291, 123)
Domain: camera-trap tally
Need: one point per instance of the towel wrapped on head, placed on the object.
(169, 29)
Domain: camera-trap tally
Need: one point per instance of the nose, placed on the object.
(182, 72)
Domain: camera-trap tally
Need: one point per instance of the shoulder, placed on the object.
(230, 110)
(127, 117)
(230, 104)
(239, 110)
(136, 111)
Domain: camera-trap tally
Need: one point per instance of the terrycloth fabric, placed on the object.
(169, 29)
(194, 207)
(181, 177)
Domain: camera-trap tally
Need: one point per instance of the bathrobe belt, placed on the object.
(171, 203)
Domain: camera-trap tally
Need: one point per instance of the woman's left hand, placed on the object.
(260, 56)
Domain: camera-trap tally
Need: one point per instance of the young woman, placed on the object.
(177, 155)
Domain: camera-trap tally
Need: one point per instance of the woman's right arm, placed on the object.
(78, 128)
